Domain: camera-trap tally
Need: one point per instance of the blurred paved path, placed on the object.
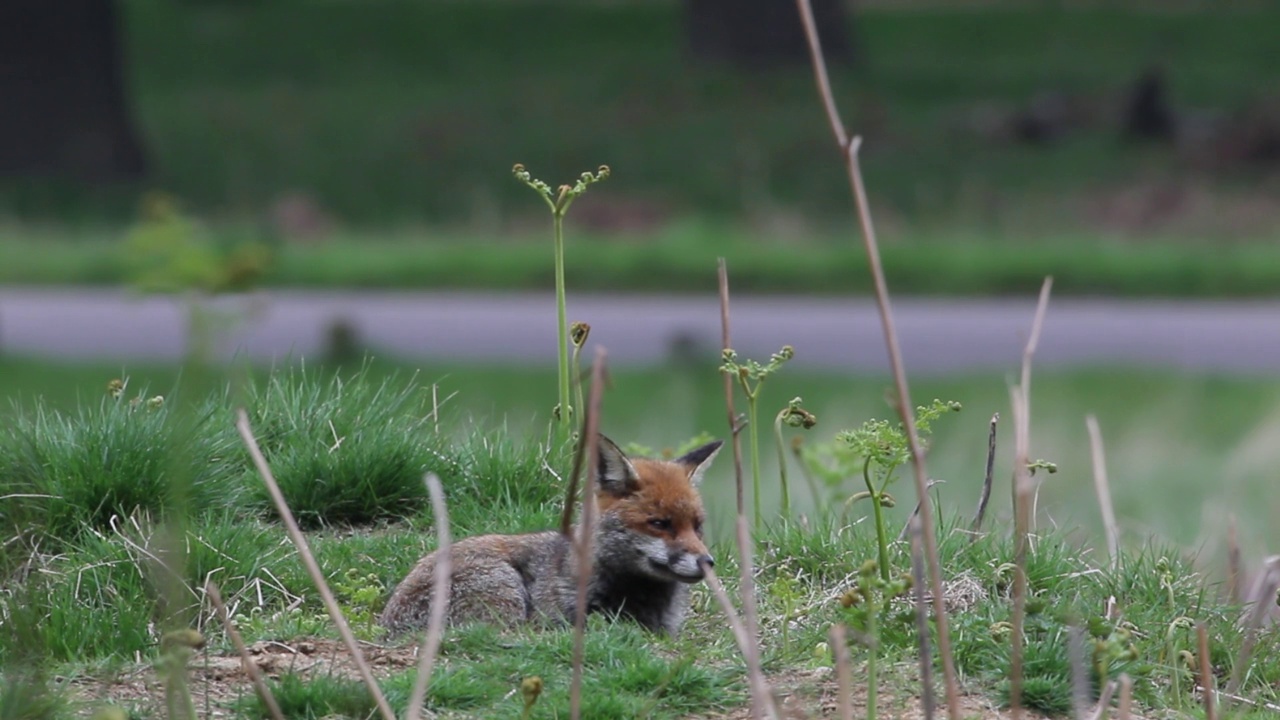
(941, 335)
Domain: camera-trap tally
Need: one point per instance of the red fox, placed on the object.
(647, 549)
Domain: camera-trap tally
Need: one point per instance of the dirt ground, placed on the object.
(219, 681)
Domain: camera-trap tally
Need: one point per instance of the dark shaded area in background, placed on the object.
(987, 119)
(66, 107)
(754, 34)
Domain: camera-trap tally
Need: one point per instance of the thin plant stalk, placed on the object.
(1262, 597)
(734, 426)
(761, 697)
(873, 648)
(590, 441)
(882, 538)
(782, 464)
(250, 667)
(1022, 491)
(440, 594)
(1104, 701)
(927, 700)
(1103, 488)
(562, 328)
(1079, 671)
(1206, 674)
(849, 152)
(1233, 561)
(753, 435)
(313, 568)
(1022, 505)
(1028, 353)
(986, 480)
(1126, 697)
(844, 674)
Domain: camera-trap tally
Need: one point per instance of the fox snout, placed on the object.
(690, 567)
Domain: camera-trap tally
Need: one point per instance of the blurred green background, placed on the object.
(371, 144)
(1127, 148)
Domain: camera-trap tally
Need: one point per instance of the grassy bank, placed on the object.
(684, 260)
(1191, 449)
(342, 119)
(349, 457)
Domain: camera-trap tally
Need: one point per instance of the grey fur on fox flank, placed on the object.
(647, 550)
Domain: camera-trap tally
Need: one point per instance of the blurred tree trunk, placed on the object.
(764, 33)
(63, 110)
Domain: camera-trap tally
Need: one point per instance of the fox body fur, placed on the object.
(647, 549)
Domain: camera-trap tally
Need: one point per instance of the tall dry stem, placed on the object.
(1021, 513)
(734, 426)
(762, 705)
(1206, 673)
(1028, 354)
(981, 513)
(250, 667)
(313, 568)
(1262, 597)
(1103, 488)
(927, 701)
(849, 152)
(590, 441)
(440, 594)
(844, 673)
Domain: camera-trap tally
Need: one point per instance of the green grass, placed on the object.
(93, 602)
(683, 260)
(349, 105)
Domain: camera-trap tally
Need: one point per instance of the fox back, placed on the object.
(647, 549)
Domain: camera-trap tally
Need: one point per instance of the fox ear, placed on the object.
(699, 459)
(615, 473)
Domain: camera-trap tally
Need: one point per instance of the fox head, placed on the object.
(651, 515)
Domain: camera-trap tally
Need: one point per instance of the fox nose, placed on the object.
(706, 560)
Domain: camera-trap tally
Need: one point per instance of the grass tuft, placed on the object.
(65, 474)
(344, 451)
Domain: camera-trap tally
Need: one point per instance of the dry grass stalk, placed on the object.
(1261, 599)
(978, 516)
(927, 701)
(250, 668)
(1028, 353)
(1233, 561)
(1103, 488)
(734, 426)
(1126, 697)
(1206, 674)
(761, 698)
(1021, 522)
(849, 152)
(313, 568)
(590, 441)
(1079, 672)
(1104, 701)
(762, 705)
(440, 607)
(844, 672)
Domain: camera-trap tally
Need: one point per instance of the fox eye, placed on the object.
(660, 523)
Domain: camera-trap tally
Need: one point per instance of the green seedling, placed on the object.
(558, 201)
(751, 376)
(870, 597)
(795, 416)
(875, 450)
